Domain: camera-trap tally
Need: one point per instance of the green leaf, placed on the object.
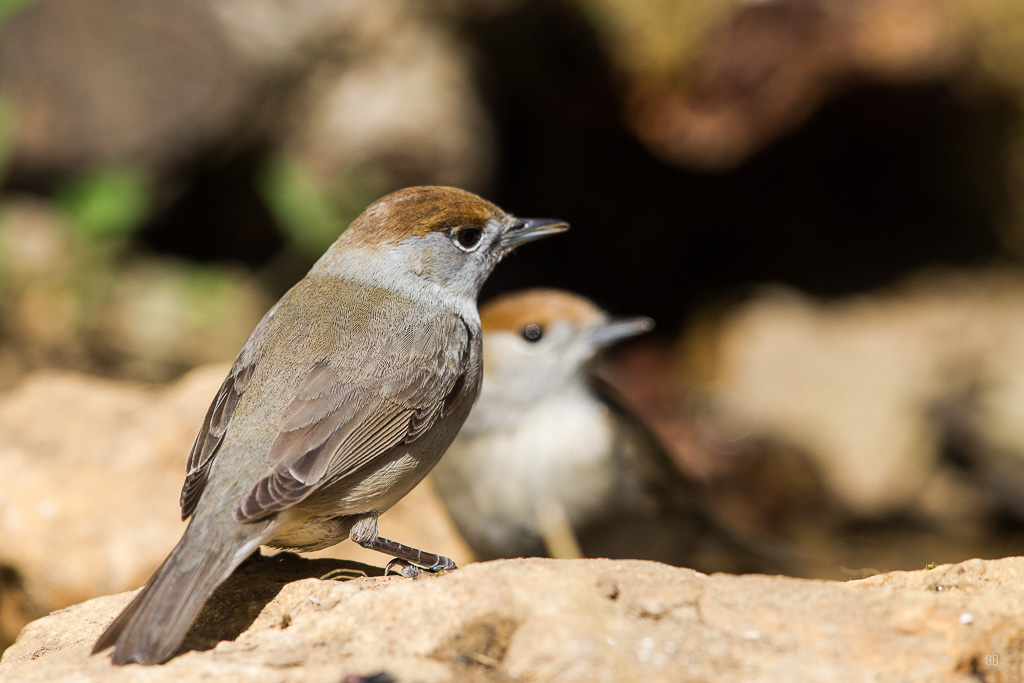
(107, 204)
(313, 217)
(302, 210)
(9, 7)
(6, 133)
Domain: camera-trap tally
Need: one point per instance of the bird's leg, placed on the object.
(411, 559)
(364, 532)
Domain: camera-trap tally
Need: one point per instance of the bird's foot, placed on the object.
(406, 568)
(411, 571)
(411, 560)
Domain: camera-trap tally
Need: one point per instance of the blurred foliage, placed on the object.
(310, 216)
(76, 293)
(164, 315)
(6, 134)
(107, 204)
(997, 29)
(659, 38)
(9, 7)
(80, 298)
(302, 210)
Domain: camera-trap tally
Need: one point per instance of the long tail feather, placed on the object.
(154, 624)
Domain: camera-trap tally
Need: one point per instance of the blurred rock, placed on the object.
(570, 620)
(92, 470)
(86, 463)
(74, 302)
(908, 401)
(390, 95)
(273, 38)
(107, 81)
(166, 314)
(38, 314)
(348, 87)
(710, 83)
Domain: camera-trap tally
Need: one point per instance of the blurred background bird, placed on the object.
(551, 463)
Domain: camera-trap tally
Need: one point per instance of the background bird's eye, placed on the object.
(467, 238)
(532, 332)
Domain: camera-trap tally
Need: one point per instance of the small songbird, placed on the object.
(344, 397)
(549, 463)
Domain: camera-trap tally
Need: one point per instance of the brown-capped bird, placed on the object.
(549, 463)
(345, 395)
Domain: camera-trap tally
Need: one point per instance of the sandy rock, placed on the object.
(91, 474)
(87, 496)
(575, 620)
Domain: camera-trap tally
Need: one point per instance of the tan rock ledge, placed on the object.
(578, 620)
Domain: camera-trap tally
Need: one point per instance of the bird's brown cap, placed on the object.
(539, 306)
(419, 211)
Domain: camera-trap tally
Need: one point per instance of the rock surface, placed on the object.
(568, 620)
(91, 474)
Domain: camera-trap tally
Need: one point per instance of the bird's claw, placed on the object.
(407, 569)
(411, 571)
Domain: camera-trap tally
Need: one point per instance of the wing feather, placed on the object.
(343, 417)
(211, 434)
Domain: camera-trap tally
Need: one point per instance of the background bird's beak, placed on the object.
(618, 328)
(529, 229)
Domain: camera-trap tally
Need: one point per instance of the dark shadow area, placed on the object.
(16, 604)
(861, 549)
(217, 213)
(236, 604)
(881, 181)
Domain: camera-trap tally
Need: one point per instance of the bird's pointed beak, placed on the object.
(618, 329)
(529, 229)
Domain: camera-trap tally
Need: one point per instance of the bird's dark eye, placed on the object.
(532, 332)
(467, 238)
